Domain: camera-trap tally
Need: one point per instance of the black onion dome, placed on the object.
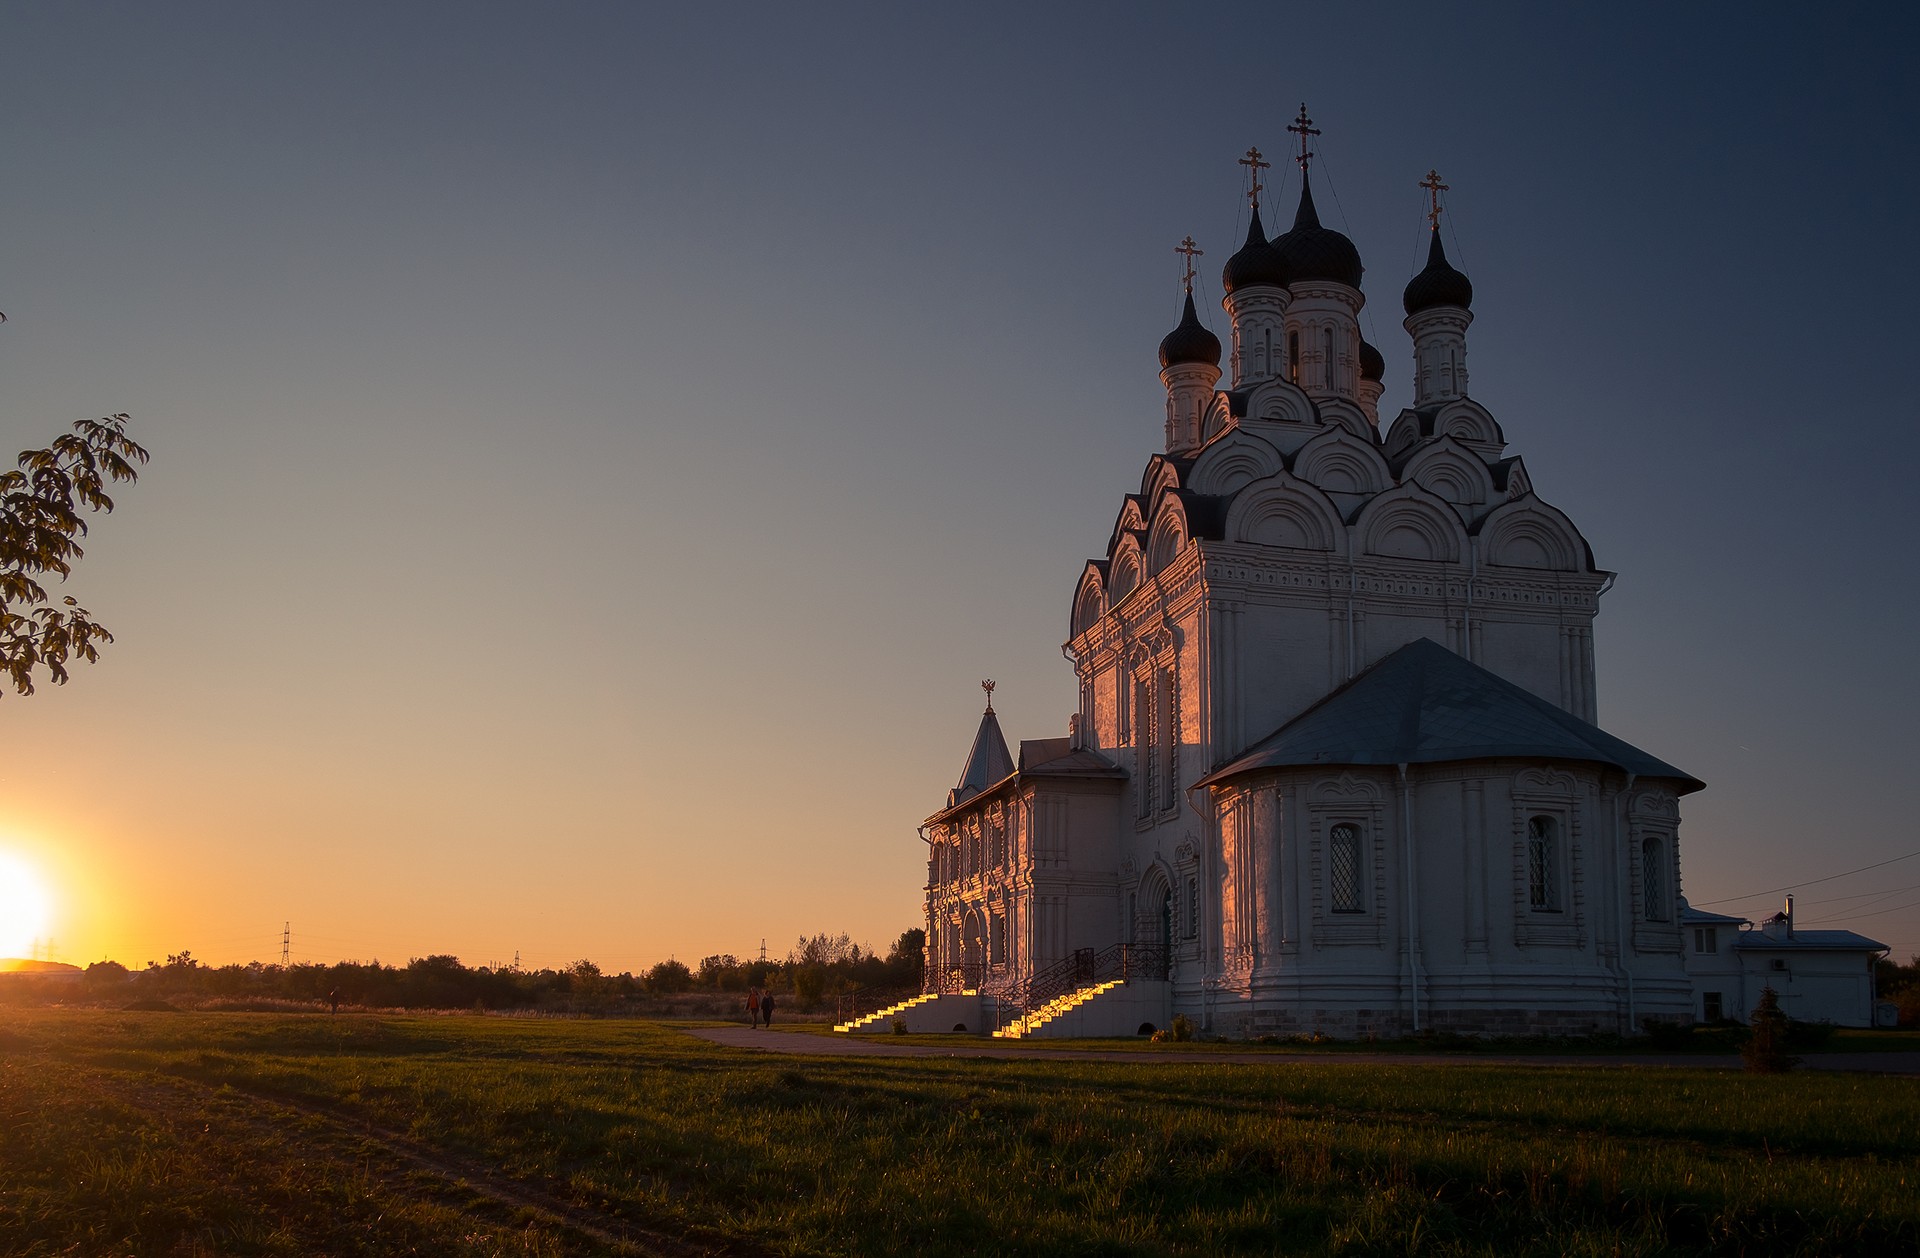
(1190, 342)
(1439, 284)
(1372, 366)
(1313, 252)
(1256, 263)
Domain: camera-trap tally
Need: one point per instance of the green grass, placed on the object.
(158, 1133)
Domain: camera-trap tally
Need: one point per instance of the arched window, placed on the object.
(1146, 754)
(1170, 738)
(997, 936)
(1343, 869)
(1653, 878)
(1543, 864)
(1293, 357)
(1326, 342)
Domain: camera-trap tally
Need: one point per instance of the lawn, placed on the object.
(156, 1133)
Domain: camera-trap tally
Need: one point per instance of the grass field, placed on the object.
(155, 1133)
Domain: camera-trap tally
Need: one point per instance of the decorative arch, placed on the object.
(1234, 461)
(1466, 420)
(1128, 569)
(1153, 907)
(1219, 417)
(1283, 510)
(1161, 475)
(1403, 434)
(1339, 462)
(1410, 523)
(1337, 412)
(1451, 471)
(1279, 401)
(1089, 599)
(1170, 531)
(1527, 533)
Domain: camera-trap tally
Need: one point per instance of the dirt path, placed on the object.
(814, 1044)
(406, 1169)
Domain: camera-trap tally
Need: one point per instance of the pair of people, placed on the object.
(759, 1007)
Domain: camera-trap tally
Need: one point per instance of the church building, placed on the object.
(1335, 764)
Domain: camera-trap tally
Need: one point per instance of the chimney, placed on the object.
(1789, 917)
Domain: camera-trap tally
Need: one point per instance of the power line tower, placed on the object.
(286, 943)
(763, 950)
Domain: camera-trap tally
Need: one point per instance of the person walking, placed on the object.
(766, 1008)
(753, 1006)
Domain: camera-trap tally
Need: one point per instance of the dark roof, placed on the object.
(1807, 940)
(1691, 916)
(1190, 342)
(1056, 758)
(1313, 252)
(1256, 262)
(987, 763)
(1439, 284)
(1425, 705)
(1372, 365)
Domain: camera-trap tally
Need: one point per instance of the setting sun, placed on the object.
(24, 906)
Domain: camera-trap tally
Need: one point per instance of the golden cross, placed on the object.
(988, 687)
(1434, 188)
(1187, 247)
(1255, 166)
(1303, 127)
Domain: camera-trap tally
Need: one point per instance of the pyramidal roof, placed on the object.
(1425, 705)
(987, 763)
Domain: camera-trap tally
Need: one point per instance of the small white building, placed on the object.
(1819, 975)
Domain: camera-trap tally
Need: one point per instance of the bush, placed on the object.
(899, 1026)
(1765, 1051)
(1182, 1027)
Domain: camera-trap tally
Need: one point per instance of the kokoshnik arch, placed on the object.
(1334, 765)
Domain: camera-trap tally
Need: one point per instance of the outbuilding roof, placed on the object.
(1425, 705)
(1806, 941)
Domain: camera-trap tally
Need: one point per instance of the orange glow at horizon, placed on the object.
(26, 906)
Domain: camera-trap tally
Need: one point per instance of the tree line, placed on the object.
(818, 968)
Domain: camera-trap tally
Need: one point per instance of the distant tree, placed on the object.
(908, 955)
(721, 972)
(670, 976)
(824, 949)
(43, 508)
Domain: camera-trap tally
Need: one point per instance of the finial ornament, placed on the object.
(1434, 188)
(1254, 165)
(988, 687)
(1188, 248)
(1303, 127)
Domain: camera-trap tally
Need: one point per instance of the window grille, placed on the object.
(1343, 868)
(1193, 908)
(1653, 873)
(1543, 865)
(1170, 781)
(1145, 755)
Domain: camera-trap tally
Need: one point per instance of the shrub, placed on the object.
(1765, 1051)
(1182, 1027)
(899, 1025)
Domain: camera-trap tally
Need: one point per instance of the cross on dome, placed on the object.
(1303, 127)
(988, 687)
(1187, 247)
(1434, 188)
(1255, 166)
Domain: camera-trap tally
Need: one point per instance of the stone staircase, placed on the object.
(1114, 1007)
(882, 1019)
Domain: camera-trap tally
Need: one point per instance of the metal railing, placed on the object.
(856, 1004)
(1085, 967)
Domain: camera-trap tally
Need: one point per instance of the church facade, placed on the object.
(1334, 766)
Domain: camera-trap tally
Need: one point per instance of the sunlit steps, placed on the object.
(879, 1019)
(1036, 1020)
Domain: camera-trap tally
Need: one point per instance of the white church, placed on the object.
(1335, 765)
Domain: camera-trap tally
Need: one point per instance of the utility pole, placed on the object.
(286, 943)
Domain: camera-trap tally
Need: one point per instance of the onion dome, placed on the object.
(1439, 284)
(1372, 366)
(1190, 342)
(1256, 263)
(1313, 252)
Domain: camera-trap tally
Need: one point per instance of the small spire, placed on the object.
(1434, 188)
(1187, 247)
(1303, 127)
(1255, 166)
(988, 687)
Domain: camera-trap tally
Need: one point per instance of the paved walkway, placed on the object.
(773, 1040)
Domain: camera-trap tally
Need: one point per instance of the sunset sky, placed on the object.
(598, 449)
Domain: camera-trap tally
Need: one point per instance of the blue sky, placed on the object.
(599, 449)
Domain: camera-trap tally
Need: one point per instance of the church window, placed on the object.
(1343, 869)
(1326, 342)
(997, 936)
(1653, 872)
(1193, 907)
(1705, 940)
(1711, 1009)
(1146, 755)
(1170, 739)
(1266, 353)
(1543, 865)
